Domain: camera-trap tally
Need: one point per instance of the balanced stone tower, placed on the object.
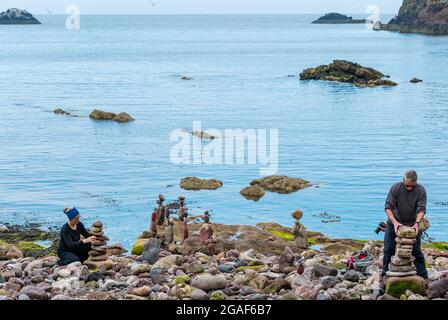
(98, 254)
(402, 274)
(299, 231)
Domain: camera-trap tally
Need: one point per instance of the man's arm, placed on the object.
(391, 203)
(421, 209)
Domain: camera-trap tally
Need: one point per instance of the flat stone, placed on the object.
(406, 232)
(405, 241)
(398, 261)
(401, 269)
(400, 274)
(403, 253)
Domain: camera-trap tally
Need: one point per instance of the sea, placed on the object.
(351, 143)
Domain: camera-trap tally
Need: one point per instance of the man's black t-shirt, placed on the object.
(406, 205)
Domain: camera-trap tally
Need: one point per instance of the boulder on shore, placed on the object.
(102, 115)
(349, 72)
(422, 16)
(17, 16)
(194, 183)
(337, 18)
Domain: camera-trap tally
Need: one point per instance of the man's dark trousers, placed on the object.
(389, 251)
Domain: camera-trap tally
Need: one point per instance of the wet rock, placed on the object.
(203, 135)
(209, 282)
(102, 115)
(194, 183)
(281, 184)
(349, 72)
(151, 250)
(254, 193)
(34, 293)
(415, 80)
(62, 112)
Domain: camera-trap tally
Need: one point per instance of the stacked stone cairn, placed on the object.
(402, 275)
(299, 231)
(402, 262)
(98, 254)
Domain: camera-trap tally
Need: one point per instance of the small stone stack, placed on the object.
(99, 246)
(299, 231)
(402, 262)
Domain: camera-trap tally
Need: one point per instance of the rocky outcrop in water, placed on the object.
(349, 72)
(194, 183)
(420, 16)
(337, 18)
(17, 16)
(102, 115)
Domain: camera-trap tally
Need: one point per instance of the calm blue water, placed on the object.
(354, 143)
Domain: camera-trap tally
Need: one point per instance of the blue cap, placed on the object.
(72, 214)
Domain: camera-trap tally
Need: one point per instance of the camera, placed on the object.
(381, 226)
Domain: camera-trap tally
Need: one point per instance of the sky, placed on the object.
(202, 6)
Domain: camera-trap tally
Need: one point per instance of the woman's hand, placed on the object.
(89, 239)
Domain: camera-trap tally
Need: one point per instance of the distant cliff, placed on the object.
(17, 16)
(337, 18)
(420, 16)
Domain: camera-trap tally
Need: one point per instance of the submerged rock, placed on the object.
(281, 184)
(337, 18)
(415, 80)
(194, 183)
(17, 16)
(102, 115)
(254, 193)
(349, 72)
(61, 111)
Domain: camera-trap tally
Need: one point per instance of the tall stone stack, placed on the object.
(98, 254)
(402, 275)
(402, 262)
